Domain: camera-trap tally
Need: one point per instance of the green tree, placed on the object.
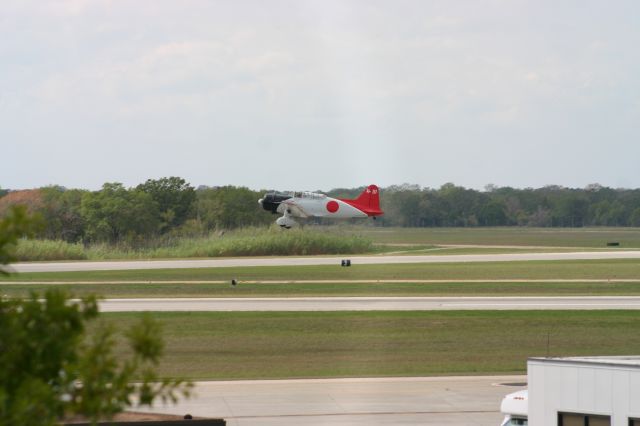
(61, 213)
(15, 225)
(571, 210)
(492, 214)
(117, 214)
(51, 370)
(230, 207)
(459, 205)
(403, 207)
(634, 220)
(175, 199)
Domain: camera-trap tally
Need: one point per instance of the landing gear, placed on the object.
(285, 221)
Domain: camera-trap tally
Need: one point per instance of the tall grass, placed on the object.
(34, 250)
(245, 242)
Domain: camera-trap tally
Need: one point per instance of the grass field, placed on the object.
(462, 250)
(150, 283)
(274, 345)
(347, 344)
(127, 290)
(554, 237)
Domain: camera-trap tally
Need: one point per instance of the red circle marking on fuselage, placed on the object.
(332, 206)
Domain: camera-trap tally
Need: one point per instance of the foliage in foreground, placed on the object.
(51, 370)
(13, 227)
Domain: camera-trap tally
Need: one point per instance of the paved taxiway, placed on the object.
(369, 303)
(385, 401)
(315, 260)
(345, 281)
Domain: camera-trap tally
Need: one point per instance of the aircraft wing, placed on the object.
(295, 209)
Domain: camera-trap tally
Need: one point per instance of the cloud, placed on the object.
(401, 81)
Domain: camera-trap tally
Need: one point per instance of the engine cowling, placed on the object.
(271, 201)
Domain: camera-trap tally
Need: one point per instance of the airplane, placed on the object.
(313, 204)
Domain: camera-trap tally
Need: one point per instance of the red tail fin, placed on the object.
(368, 201)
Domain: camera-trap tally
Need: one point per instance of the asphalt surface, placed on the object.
(345, 281)
(315, 260)
(453, 401)
(370, 303)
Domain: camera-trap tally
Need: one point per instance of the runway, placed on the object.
(454, 401)
(313, 260)
(345, 281)
(294, 304)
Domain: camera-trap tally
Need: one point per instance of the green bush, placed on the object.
(33, 250)
(244, 242)
(270, 243)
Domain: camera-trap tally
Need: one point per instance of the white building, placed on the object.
(584, 391)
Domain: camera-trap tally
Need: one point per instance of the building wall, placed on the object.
(582, 388)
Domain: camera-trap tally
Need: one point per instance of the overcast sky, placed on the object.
(320, 94)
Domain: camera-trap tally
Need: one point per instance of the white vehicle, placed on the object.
(515, 407)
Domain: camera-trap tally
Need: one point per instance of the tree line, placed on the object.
(550, 206)
(163, 207)
(172, 207)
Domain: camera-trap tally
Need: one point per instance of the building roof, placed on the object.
(632, 361)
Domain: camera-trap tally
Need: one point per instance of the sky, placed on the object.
(320, 94)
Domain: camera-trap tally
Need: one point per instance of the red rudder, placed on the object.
(368, 201)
